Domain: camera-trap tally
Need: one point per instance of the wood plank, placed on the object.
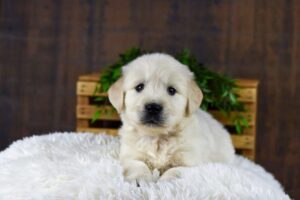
(82, 100)
(82, 123)
(247, 94)
(228, 120)
(247, 83)
(87, 112)
(250, 107)
(87, 89)
(243, 142)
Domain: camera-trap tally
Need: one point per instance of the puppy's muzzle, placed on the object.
(152, 114)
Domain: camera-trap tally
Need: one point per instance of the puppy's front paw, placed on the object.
(132, 174)
(170, 174)
(137, 172)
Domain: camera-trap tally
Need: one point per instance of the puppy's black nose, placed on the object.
(153, 108)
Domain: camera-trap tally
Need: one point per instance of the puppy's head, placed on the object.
(155, 92)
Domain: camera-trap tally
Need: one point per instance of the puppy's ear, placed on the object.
(195, 97)
(116, 95)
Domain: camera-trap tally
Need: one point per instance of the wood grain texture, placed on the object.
(46, 45)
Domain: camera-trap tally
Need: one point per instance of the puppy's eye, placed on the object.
(139, 87)
(171, 91)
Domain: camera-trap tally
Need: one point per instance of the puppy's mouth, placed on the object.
(152, 120)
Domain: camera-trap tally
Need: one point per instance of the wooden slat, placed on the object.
(82, 100)
(247, 94)
(87, 89)
(227, 121)
(87, 112)
(247, 83)
(250, 107)
(82, 123)
(243, 142)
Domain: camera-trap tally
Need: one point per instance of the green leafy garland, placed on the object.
(219, 91)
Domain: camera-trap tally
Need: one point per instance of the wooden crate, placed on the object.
(244, 143)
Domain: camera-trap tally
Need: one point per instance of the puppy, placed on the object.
(163, 127)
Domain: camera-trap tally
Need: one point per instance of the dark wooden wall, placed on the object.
(45, 45)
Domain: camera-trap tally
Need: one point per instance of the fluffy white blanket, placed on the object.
(71, 166)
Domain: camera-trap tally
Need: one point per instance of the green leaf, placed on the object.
(96, 116)
(97, 89)
(225, 93)
(105, 86)
(233, 98)
(238, 127)
(116, 74)
(244, 122)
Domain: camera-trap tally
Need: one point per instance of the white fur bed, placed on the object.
(71, 166)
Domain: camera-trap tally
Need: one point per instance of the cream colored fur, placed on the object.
(188, 137)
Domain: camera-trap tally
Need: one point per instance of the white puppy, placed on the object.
(163, 127)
